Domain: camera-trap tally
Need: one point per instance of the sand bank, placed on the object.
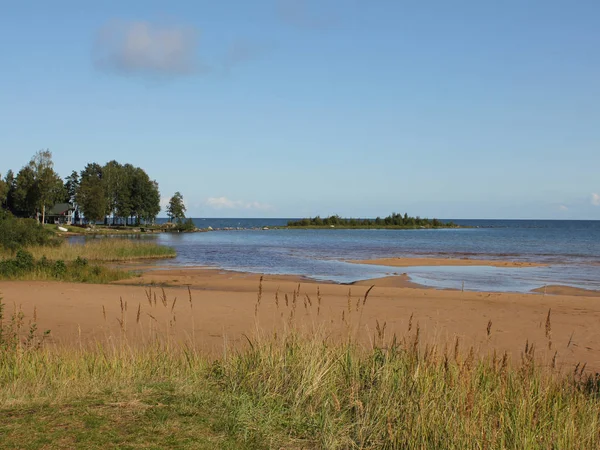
(413, 262)
(224, 307)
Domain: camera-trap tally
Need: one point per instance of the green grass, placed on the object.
(105, 249)
(286, 389)
(24, 267)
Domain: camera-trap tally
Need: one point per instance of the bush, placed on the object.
(17, 233)
(188, 225)
(59, 269)
(24, 260)
(24, 267)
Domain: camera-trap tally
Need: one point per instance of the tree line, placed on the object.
(114, 193)
(393, 220)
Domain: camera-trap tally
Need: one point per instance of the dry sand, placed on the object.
(223, 310)
(413, 262)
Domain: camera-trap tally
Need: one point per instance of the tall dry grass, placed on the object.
(310, 387)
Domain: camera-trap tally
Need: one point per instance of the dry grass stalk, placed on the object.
(367, 295)
(148, 293)
(548, 323)
(349, 300)
(260, 290)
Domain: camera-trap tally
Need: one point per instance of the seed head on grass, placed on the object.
(260, 290)
(548, 323)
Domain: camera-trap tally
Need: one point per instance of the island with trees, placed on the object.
(393, 221)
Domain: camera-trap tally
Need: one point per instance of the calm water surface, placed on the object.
(571, 248)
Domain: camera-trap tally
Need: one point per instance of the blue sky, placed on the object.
(279, 108)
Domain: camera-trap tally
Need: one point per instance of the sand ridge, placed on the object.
(425, 261)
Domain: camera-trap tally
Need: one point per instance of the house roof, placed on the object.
(58, 209)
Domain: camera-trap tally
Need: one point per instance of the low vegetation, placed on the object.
(392, 221)
(104, 249)
(17, 233)
(286, 388)
(25, 267)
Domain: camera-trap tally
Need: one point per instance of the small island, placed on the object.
(393, 221)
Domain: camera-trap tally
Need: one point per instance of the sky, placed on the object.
(295, 108)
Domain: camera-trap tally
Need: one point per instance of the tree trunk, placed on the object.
(43, 214)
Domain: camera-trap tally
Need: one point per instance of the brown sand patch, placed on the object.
(224, 308)
(411, 262)
(566, 290)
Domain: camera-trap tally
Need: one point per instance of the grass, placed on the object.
(286, 388)
(24, 267)
(106, 249)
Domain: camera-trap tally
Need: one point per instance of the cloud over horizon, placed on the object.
(225, 203)
(595, 200)
(143, 48)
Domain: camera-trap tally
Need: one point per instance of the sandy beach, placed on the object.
(223, 308)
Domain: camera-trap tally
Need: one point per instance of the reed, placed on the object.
(105, 249)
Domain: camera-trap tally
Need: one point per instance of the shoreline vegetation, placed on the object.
(31, 251)
(393, 221)
(289, 385)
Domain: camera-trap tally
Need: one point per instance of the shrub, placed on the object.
(188, 225)
(17, 233)
(59, 269)
(24, 260)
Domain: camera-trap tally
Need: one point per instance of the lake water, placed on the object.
(571, 248)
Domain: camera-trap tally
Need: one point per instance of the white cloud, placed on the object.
(225, 203)
(563, 208)
(595, 199)
(148, 49)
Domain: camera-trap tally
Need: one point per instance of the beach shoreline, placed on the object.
(223, 308)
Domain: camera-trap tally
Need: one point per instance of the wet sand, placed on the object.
(414, 262)
(224, 307)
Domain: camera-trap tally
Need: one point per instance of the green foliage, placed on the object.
(123, 192)
(25, 193)
(392, 221)
(188, 225)
(49, 187)
(3, 191)
(176, 208)
(8, 202)
(17, 233)
(91, 194)
(24, 267)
